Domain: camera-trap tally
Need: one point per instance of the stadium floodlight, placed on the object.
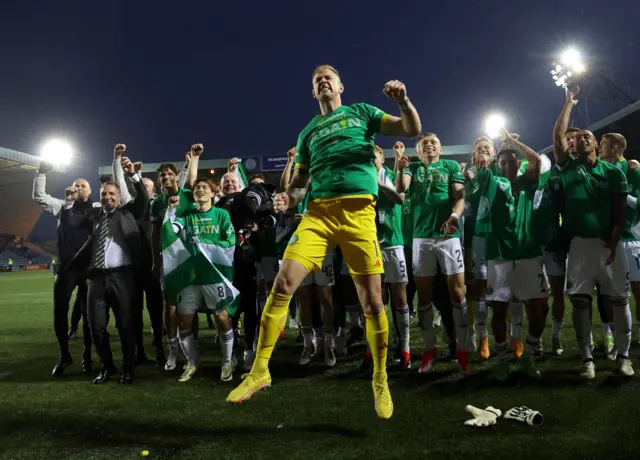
(493, 125)
(57, 151)
(569, 66)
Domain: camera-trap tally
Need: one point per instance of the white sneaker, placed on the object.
(588, 370)
(556, 345)
(305, 358)
(248, 358)
(171, 362)
(226, 374)
(329, 356)
(189, 371)
(293, 323)
(625, 367)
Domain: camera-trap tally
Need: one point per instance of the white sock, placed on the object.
(402, 319)
(226, 346)
(172, 342)
(460, 320)
(582, 324)
(623, 324)
(606, 329)
(482, 313)
(515, 313)
(328, 337)
(425, 318)
(307, 337)
(187, 343)
(556, 328)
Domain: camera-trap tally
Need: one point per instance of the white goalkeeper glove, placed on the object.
(482, 417)
(525, 415)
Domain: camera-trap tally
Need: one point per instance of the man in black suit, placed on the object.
(112, 256)
(146, 282)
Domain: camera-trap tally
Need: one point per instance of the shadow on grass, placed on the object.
(163, 438)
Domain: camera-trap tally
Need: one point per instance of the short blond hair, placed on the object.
(483, 138)
(378, 149)
(325, 67)
(617, 140)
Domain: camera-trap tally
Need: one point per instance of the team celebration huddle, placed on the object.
(343, 236)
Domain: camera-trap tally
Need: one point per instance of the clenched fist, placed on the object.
(395, 90)
(118, 150)
(127, 166)
(281, 203)
(197, 149)
(174, 201)
(70, 193)
(403, 163)
(291, 154)
(398, 149)
(233, 164)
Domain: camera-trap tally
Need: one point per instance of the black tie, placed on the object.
(99, 261)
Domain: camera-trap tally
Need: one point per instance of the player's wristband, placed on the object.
(453, 214)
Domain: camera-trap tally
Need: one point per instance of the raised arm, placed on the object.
(40, 196)
(560, 145)
(286, 173)
(118, 174)
(408, 123)
(398, 150)
(403, 179)
(513, 141)
(139, 204)
(192, 170)
(183, 175)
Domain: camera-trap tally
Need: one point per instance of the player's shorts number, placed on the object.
(403, 269)
(220, 290)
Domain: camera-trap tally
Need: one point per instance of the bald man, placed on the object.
(73, 231)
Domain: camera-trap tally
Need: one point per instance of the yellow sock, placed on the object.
(377, 329)
(275, 310)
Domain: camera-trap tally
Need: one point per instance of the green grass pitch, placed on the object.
(309, 413)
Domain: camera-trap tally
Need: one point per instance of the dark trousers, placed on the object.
(115, 290)
(79, 306)
(244, 280)
(149, 285)
(66, 281)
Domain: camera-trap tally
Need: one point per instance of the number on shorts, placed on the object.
(327, 269)
(637, 257)
(543, 290)
(220, 291)
(459, 256)
(403, 269)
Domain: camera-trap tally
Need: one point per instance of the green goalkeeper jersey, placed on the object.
(338, 151)
(431, 192)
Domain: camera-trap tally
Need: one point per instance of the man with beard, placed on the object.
(168, 178)
(595, 200)
(336, 152)
(73, 231)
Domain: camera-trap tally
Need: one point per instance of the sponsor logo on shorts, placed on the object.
(378, 263)
(294, 239)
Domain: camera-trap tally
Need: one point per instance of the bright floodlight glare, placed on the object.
(493, 125)
(56, 151)
(572, 59)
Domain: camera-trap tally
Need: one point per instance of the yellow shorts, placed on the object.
(348, 222)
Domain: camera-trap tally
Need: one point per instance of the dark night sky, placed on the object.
(236, 76)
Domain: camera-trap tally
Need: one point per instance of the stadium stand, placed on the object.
(19, 212)
(271, 166)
